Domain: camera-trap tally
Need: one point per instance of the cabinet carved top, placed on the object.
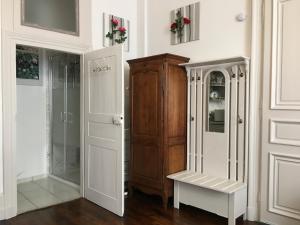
(235, 60)
(165, 56)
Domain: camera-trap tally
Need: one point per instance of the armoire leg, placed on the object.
(165, 201)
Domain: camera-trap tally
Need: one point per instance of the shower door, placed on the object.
(65, 119)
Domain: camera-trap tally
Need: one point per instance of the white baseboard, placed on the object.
(76, 186)
(7, 213)
(28, 179)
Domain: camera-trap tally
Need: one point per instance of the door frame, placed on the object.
(10, 40)
(255, 111)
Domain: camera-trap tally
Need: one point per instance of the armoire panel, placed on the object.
(177, 156)
(146, 161)
(177, 95)
(145, 91)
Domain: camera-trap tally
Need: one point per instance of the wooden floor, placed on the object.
(140, 210)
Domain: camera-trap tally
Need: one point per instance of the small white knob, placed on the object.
(241, 17)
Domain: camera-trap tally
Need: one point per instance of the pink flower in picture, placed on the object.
(122, 29)
(173, 26)
(115, 22)
(186, 20)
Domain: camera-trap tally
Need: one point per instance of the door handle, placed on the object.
(117, 120)
(63, 116)
(70, 117)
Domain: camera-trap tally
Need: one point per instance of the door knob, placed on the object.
(117, 120)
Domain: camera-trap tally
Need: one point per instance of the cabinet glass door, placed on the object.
(65, 157)
(216, 121)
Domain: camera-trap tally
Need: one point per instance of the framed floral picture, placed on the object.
(185, 24)
(115, 31)
(28, 66)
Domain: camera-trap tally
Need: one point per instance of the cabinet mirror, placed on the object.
(215, 102)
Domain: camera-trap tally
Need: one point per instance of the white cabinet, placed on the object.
(217, 113)
(216, 175)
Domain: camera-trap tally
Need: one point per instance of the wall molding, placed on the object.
(275, 139)
(276, 71)
(273, 205)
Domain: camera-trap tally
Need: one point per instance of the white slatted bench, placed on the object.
(217, 195)
(217, 159)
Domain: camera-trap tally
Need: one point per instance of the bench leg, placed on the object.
(176, 194)
(231, 209)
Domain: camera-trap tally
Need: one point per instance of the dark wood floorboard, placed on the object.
(140, 210)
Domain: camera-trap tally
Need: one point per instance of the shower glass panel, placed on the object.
(65, 94)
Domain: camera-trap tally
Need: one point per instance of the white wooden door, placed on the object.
(104, 133)
(280, 163)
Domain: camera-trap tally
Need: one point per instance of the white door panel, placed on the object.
(104, 133)
(280, 163)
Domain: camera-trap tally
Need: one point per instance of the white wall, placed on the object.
(31, 128)
(221, 35)
(31, 152)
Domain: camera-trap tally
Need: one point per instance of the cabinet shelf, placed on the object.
(217, 99)
(217, 84)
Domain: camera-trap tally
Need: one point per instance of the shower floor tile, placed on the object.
(44, 192)
(24, 205)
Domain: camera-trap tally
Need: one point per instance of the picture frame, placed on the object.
(28, 66)
(108, 28)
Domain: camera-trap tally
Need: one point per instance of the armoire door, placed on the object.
(280, 163)
(103, 128)
(146, 123)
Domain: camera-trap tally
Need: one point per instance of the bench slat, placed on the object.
(181, 174)
(210, 182)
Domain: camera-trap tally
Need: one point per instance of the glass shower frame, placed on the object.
(64, 108)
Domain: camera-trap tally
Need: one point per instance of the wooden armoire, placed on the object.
(158, 105)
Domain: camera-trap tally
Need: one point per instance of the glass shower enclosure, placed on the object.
(64, 93)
